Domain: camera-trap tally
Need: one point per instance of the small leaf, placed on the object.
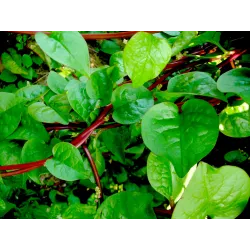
(145, 56)
(56, 82)
(67, 163)
(127, 205)
(79, 211)
(130, 104)
(110, 47)
(27, 61)
(7, 76)
(220, 193)
(236, 156)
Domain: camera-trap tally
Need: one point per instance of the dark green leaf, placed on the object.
(236, 156)
(109, 47)
(7, 76)
(79, 211)
(27, 61)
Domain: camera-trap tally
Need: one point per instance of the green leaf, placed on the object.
(100, 86)
(79, 211)
(11, 65)
(172, 33)
(59, 46)
(67, 163)
(10, 114)
(145, 56)
(7, 76)
(236, 81)
(37, 60)
(236, 156)
(10, 153)
(220, 193)
(117, 60)
(116, 140)
(235, 121)
(127, 205)
(32, 92)
(195, 83)
(131, 104)
(5, 207)
(56, 82)
(42, 113)
(184, 138)
(110, 47)
(29, 129)
(27, 61)
(79, 100)
(182, 41)
(162, 177)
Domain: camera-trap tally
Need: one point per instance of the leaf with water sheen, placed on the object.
(59, 46)
(32, 92)
(236, 81)
(127, 205)
(145, 56)
(220, 193)
(184, 138)
(131, 104)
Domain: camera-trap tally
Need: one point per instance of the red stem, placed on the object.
(161, 211)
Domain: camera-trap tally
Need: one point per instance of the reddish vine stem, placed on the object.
(94, 169)
(161, 211)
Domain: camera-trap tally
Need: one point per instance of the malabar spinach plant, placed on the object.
(123, 138)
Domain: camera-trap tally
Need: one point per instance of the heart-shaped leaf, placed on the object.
(184, 138)
(32, 92)
(145, 56)
(67, 163)
(130, 104)
(214, 192)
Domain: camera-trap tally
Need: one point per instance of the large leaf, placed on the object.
(56, 82)
(32, 92)
(235, 121)
(162, 177)
(29, 129)
(67, 163)
(236, 81)
(215, 192)
(127, 205)
(184, 138)
(66, 47)
(10, 153)
(10, 114)
(195, 83)
(131, 104)
(100, 86)
(79, 100)
(145, 56)
(182, 41)
(42, 113)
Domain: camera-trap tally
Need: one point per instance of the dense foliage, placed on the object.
(124, 134)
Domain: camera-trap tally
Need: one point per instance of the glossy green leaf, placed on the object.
(10, 114)
(29, 129)
(5, 207)
(10, 153)
(79, 211)
(60, 47)
(79, 100)
(67, 163)
(7, 76)
(145, 56)
(100, 86)
(195, 83)
(110, 47)
(235, 121)
(32, 92)
(236, 81)
(182, 41)
(12, 65)
(162, 177)
(117, 60)
(56, 82)
(220, 193)
(184, 138)
(127, 205)
(131, 104)
(42, 113)
(116, 140)
(27, 61)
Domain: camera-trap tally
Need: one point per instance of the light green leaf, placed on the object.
(235, 121)
(145, 56)
(127, 205)
(32, 92)
(131, 104)
(184, 138)
(10, 153)
(67, 163)
(236, 81)
(56, 82)
(195, 83)
(220, 193)
(79, 211)
(59, 46)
